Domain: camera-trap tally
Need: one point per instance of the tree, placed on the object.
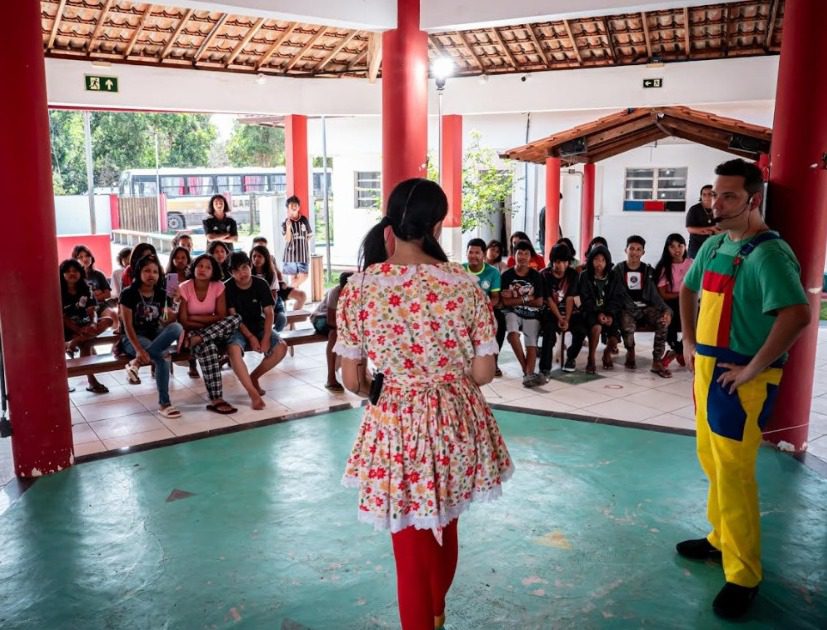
(256, 145)
(68, 158)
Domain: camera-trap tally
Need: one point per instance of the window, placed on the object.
(172, 186)
(200, 185)
(255, 183)
(655, 189)
(318, 179)
(368, 189)
(278, 183)
(229, 183)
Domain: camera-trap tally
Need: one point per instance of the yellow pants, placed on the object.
(729, 434)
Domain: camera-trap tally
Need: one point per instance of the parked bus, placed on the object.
(188, 190)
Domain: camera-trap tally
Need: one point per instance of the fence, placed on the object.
(139, 214)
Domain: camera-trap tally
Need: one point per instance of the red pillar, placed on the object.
(451, 176)
(31, 321)
(404, 98)
(798, 196)
(295, 148)
(587, 209)
(552, 203)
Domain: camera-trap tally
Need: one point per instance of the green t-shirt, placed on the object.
(488, 278)
(738, 312)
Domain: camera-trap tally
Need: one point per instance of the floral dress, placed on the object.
(430, 445)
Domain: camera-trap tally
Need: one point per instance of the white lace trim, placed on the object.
(347, 352)
(486, 349)
(434, 523)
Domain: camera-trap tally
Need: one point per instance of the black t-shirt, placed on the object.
(250, 303)
(75, 307)
(97, 281)
(147, 312)
(529, 286)
(635, 280)
(560, 288)
(220, 226)
(697, 216)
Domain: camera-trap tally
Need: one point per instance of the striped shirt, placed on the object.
(296, 249)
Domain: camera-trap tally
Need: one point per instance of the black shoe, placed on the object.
(733, 601)
(570, 365)
(698, 549)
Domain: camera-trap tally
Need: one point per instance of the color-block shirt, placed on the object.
(739, 300)
(488, 278)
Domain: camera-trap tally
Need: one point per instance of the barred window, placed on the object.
(661, 184)
(368, 189)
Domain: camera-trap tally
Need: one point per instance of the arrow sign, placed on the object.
(652, 83)
(101, 84)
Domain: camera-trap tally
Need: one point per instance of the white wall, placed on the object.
(72, 215)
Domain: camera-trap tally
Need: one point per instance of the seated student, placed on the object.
(139, 251)
(601, 300)
(573, 263)
(177, 273)
(80, 323)
(182, 240)
(149, 329)
(523, 295)
(250, 298)
(561, 288)
(324, 322)
(670, 272)
(117, 275)
(221, 252)
(494, 256)
(98, 284)
(537, 262)
(259, 257)
(203, 314)
(642, 304)
(597, 240)
(285, 291)
(488, 277)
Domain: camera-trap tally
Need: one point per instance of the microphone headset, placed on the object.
(717, 220)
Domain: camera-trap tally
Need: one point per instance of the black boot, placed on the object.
(698, 549)
(733, 601)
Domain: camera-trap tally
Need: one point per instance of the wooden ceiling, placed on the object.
(121, 31)
(636, 127)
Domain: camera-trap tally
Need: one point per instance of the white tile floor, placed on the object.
(127, 416)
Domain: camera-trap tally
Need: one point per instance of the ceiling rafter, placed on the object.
(138, 31)
(725, 33)
(771, 24)
(470, 49)
(251, 32)
(610, 39)
(276, 44)
(310, 43)
(573, 43)
(104, 12)
(506, 51)
(358, 59)
(536, 41)
(177, 32)
(374, 56)
(209, 38)
(644, 20)
(56, 25)
(345, 41)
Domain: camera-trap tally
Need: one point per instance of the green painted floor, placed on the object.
(583, 537)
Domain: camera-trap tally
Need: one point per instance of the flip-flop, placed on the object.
(223, 408)
(334, 387)
(170, 412)
(132, 374)
(661, 371)
(98, 388)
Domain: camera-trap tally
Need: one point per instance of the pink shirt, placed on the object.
(678, 272)
(195, 306)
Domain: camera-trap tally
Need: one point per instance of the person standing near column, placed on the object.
(428, 445)
(700, 222)
(752, 309)
(297, 234)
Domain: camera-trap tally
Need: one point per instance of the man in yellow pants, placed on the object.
(752, 308)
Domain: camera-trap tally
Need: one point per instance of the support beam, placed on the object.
(771, 25)
(573, 43)
(587, 207)
(175, 35)
(56, 25)
(358, 60)
(276, 44)
(495, 34)
(538, 45)
(332, 54)
(304, 49)
(725, 32)
(374, 56)
(138, 30)
(470, 49)
(104, 12)
(297, 160)
(645, 22)
(610, 39)
(450, 178)
(687, 27)
(209, 38)
(552, 203)
(251, 32)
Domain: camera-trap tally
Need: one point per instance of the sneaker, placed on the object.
(542, 377)
(733, 601)
(530, 380)
(570, 365)
(698, 549)
(668, 358)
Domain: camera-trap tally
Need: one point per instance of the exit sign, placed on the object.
(101, 84)
(652, 83)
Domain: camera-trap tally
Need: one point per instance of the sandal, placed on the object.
(222, 407)
(169, 412)
(608, 364)
(657, 368)
(591, 368)
(630, 363)
(132, 374)
(98, 388)
(334, 387)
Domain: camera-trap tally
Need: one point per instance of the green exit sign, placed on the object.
(101, 84)
(652, 83)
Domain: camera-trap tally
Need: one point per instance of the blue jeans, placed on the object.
(156, 349)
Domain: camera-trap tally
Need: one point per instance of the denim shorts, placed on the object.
(239, 339)
(294, 268)
(320, 325)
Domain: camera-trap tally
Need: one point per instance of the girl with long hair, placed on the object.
(669, 274)
(537, 262)
(264, 266)
(178, 272)
(139, 251)
(117, 275)
(221, 252)
(494, 255)
(428, 445)
(98, 284)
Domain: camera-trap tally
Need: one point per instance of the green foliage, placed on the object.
(125, 140)
(254, 145)
(486, 185)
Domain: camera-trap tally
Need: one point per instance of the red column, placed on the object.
(798, 196)
(552, 203)
(587, 209)
(115, 212)
(404, 98)
(295, 148)
(31, 321)
(451, 176)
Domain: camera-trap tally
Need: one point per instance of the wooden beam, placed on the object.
(99, 26)
(359, 59)
(335, 51)
(725, 32)
(208, 39)
(573, 43)
(644, 20)
(279, 41)
(624, 129)
(536, 41)
(470, 50)
(374, 56)
(56, 25)
(687, 41)
(499, 40)
(308, 45)
(610, 39)
(771, 25)
(138, 30)
(175, 35)
(251, 32)
(627, 145)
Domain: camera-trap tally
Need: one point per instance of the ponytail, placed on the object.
(373, 248)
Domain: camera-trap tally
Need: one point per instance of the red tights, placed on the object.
(424, 572)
